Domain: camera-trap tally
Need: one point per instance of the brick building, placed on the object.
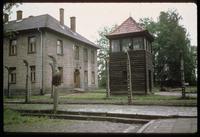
(36, 37)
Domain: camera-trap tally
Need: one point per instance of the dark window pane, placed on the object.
(115, 46)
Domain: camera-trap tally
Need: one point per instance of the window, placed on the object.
(145, 44)
(85, 55)
(32, 73)
(13, 47)
(126, 44)
(59, 47)
(137, 43)
(31, 45)
(76, 52)
(93, 77)
(92, 56)
(61, 71)
(115, 45)
(86, 76)
(12, 75)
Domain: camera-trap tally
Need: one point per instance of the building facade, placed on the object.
(33, 39)
(130, 37)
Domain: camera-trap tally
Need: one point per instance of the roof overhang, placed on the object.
(133, 34)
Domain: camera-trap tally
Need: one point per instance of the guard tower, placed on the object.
(129, 36)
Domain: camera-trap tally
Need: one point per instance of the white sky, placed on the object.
(92, 17)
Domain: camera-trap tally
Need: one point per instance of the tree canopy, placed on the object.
(102, 54)
(170, 39)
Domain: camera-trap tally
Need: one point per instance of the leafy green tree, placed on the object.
(170, 39)
(102, 54)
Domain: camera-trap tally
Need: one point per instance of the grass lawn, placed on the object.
(14, 122)
(13, 117)
(99, 96)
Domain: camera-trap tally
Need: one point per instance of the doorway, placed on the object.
(76, 78)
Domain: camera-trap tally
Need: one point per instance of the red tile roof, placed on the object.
(128, 26)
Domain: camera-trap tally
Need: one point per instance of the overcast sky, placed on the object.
(91, 17)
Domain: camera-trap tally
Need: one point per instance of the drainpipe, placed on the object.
(41, 49)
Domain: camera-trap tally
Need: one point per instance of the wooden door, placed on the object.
(77, 78)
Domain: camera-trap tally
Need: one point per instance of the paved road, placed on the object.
(179, 125)
(133, 109)
(126, 109)
(178, 94)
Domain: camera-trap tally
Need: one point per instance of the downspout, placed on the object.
(41, 49)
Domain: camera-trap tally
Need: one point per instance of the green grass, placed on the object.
(99, 96)
(13, 117)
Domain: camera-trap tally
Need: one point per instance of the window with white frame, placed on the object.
(31, 44)
(85, 55)
(92, 57)
(76, 52)
(93, 77)
(32, 74)
(13, 47)
(59, 47)
(12, 75)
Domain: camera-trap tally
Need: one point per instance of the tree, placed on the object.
(170, 39)
(7, 8)
(102, 54)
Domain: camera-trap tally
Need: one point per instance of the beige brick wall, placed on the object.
(68, 62)
(17, 61)
(49, 48)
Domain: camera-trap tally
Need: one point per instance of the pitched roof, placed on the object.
(45, 21)
(128, 26)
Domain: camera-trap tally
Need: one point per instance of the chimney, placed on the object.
(61, 16)
(73, 23)
(19, 15)
(6, 17)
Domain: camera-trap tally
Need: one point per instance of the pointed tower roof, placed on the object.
(129, 26)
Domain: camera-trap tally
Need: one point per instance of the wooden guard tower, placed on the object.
(129, 36)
